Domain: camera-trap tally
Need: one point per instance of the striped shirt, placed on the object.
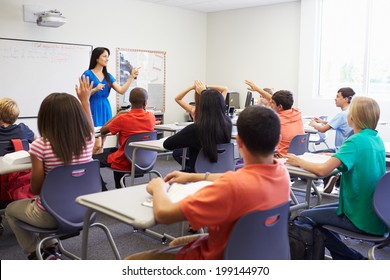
(43, 151)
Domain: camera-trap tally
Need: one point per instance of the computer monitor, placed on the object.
(248, 100)
(227, 103)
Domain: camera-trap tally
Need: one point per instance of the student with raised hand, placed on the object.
(261, 184)
(290, 118)
(361, 159)
(338, 122)
(211, 127)
(103, 82)
(61, 117)
(9, 113)
(191, 108)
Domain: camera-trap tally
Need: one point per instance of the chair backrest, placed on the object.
(382, 198)
(299, 144)
(61, 187)
(224, 163)
(8, 146)
(145, 159)
(260, 235)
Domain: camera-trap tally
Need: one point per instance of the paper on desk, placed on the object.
(178, 192)
(317, 158)
(19, 157)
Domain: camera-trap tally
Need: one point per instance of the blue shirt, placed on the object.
(16, 131)
(100, 106)
(340, 124)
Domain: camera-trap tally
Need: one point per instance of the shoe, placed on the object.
(331, 183)
(51, 253)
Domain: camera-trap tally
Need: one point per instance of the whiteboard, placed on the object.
(151, 76)
(31, 70)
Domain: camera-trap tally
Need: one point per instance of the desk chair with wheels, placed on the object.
(260, 235)
(145, 159)
(61, 187)
(382, 209)
(224, 163)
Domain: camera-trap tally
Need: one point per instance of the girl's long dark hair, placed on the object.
(96, 53)
(213, 125)
(63, 122)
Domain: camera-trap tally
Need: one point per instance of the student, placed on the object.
(103, 81)
(61, 117)
(9, 113)
(261, 184)
(191, 108)
(211, 127)
(263, 101)
(338, 122)
(125, 124)
(361, 159)
(290, 118)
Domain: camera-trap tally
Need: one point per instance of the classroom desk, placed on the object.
(302, 173)
(6, 168)
(123, 205)
(172, 127)
(387, 149)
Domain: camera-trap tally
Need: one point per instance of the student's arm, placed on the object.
(223, 90)
(254, 87)
(184, 177)
(165, 212)
(122, 89)
(320, 169)
(320, 127)
(179, 99)
(83, 90)
(37, 175)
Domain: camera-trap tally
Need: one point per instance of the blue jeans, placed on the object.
(326, 215)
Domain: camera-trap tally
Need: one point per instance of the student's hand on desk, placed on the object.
(177, 177)
(293, 160)
(156, 183)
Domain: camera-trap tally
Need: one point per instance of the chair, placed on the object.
(382, 209)
(254, 238)
(11, 146)
(319, 137)
(145, 159)
(61, 187)
(299, 144)
(224, 163)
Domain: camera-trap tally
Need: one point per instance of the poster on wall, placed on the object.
(151, 76)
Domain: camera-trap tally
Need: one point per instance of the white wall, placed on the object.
(259, 44)
(125, 24)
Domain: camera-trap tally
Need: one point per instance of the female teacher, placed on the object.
(103, 82)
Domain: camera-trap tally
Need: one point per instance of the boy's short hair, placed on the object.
(259, 129)
(284, 98)
(138, 97)
(365, 112)
(9, 110)
(347, 92)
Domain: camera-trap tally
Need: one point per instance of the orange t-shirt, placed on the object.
(220, 205)
(291, 124)
(135, 121)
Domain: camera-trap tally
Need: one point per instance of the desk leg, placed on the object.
(132, 175)
(84, 242)
(183, 159)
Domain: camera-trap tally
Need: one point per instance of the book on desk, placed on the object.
(19, 157)
(177, 192)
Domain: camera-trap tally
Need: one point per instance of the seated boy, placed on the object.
(290, 118)
(261, 184)
(9, 113)
(125, 124)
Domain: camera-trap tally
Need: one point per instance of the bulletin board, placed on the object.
(151, 76)
(31, 70)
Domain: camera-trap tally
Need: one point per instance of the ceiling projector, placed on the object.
(51, 19)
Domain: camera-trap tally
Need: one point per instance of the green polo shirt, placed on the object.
(363, 161)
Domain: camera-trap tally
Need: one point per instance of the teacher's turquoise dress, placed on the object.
(100, 106)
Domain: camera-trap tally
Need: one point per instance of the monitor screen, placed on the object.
(227, 102)
(248, 100)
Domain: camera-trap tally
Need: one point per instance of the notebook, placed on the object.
(19, 157)
(178, 191)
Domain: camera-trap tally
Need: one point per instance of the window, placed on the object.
(354, 47)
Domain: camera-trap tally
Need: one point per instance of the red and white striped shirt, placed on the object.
(43, 151)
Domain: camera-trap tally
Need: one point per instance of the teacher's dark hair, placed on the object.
(96, 53)
(63, 122)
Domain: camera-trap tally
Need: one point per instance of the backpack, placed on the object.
(307, 242)
(15, 185)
